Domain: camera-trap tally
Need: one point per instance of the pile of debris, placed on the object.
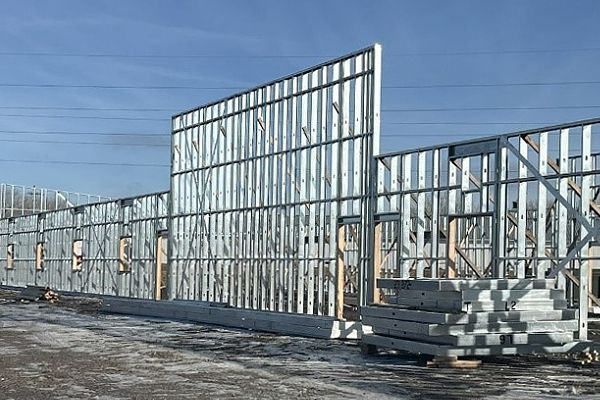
(37, 293)
(588, 357)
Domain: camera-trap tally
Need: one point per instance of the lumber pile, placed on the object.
(37, 293)
(454, 318)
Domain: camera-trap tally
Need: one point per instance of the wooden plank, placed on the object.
(161, 272)
(453, 362)
(39, 256)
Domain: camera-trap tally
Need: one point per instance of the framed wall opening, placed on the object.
(10, 256)
(39, 256)
(468, 245)
(77, 255)
(162, 267)
(125, 254)
(348, 272)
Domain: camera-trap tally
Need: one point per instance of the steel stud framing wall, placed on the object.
(281, 202)
(515, 206)
(260, 181)
(100, 227)
(22, 200)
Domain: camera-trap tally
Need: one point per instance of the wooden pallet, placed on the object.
(453, 362)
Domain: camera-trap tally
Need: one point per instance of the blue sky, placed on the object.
(420, 41)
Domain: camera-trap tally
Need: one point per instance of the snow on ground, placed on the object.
(69, 350)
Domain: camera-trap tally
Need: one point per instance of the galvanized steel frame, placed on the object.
(446, 209)
(100, 226)
(260, 181)
(16, 200)
(277, 191)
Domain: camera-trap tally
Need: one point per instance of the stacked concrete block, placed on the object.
(451, 317)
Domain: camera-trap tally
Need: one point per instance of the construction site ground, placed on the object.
(71, 350)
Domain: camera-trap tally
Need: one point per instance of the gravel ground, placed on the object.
(69, 350)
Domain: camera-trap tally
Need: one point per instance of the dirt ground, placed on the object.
(70, 351)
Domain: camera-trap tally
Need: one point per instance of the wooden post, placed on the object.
(160, 283)
(452, 239)
(77, 254)
(377, 261)
(122, 267)
(39, 256)
(339, 295)
(10, 256)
